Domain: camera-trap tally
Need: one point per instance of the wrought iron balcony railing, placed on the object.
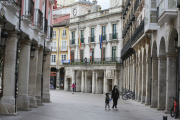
(38, 19)
(136, 5)
(96, 61)
(91, 39)
(132, 18)
(113, 36)
(72, 41)
(81, 39)
(126, 47)
(17, 2)
(138, 32)
(29, 9)
(103, 37)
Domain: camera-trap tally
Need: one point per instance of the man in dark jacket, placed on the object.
(115, 96)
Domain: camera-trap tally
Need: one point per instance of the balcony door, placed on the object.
(82, 55)
(82, 36)
(92, 34)
(114, 53)
(114, 32)
(103, 32)
(73, 37)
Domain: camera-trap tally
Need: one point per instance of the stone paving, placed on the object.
(86, 106)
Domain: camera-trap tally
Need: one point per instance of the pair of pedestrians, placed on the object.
(114, 96)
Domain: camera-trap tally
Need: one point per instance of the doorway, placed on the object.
(109, 86)
(69, 84)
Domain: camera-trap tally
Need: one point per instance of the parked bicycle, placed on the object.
(174, 110)
(128, 95)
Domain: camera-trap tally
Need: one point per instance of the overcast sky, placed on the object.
(103, 3)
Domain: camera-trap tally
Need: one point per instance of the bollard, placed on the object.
(164, 117)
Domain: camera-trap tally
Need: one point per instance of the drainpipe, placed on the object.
(58, 58)
(17, 57)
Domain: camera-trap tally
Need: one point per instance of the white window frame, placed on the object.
(65, 49)
(64, 36)
(62, 59)
(53, 62)
(54, 34)
(52, 45)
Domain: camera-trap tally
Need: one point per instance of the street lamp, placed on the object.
(32, 52)
(44, 57)
(176, 41)
(4, 36)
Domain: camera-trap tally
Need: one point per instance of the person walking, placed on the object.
(115, 96)
(107, 99)
(73, 86)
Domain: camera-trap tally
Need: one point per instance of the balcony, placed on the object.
(29, 11)
(38, 23)
(51, 2)
(72, 42)
(94, 61)
(137, 7)
(82, 40)
(167, 11)
(91, 39)
(45, 27)
(14, 5)
(103, 38)
(123, 33)
(132, 18)
(138, 32)
(126, 49)
(113, 37)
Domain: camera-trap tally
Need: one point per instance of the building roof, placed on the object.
(61, 20)
(84, 1)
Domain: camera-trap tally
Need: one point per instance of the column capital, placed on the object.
(161, 57)
(25, 41)
(12, 33)
(171, 54)
(48, 52)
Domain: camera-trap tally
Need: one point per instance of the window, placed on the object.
(114, 35)
(92, 34)
(82, 55)
(53, 59)
(73, 37)
(153, 17)
(82, 36)
(64, 45)
(53, 46)
(54, 34)
(113, 53)
(63, 57)
(64, 34)
(103, 32)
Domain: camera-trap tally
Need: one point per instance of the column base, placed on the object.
(147, 101)
(7, 106)
(166, 112)
(33, 103)
(9, 114)
(23, 103)
(138, 98)
(143, 99)
(46, 98)
(160, 109)
(151, 106)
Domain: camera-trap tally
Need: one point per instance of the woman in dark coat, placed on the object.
(115, 96)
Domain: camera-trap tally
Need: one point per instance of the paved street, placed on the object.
(84, 106)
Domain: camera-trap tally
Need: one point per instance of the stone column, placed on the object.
(121, 79)
(93, 82)
(7, 101)
(65, 81)
(139, 81)
(148, 79)
(23, 75)
(115, 77)
(143, 81)
(73, 77)
(133, 73)
(32, 79)
(170, 80)
(82, 82)
(46, 78)
(85, 82)
(96, 77)
(105, 83)
(136, 81)
(161, 82)
(58, 79)
(154, 82)
(39, 73)
(124, 76)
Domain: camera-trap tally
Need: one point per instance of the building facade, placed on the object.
(25, 71)
(59, 49)
(95, 44)
(149, 54)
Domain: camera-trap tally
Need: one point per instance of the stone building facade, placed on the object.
(29, 28)
(100, 71)
(149, 53)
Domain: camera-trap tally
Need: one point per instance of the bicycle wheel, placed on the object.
(172, 111)
(124, 97)
(176, 113)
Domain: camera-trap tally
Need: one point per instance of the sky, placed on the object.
(103, 3)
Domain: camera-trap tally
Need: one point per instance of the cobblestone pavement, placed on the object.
(86, 106)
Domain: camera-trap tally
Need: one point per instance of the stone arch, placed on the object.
(143, 75)
(154, 87)
(171, 48)
(161, 75)
(139, 75)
